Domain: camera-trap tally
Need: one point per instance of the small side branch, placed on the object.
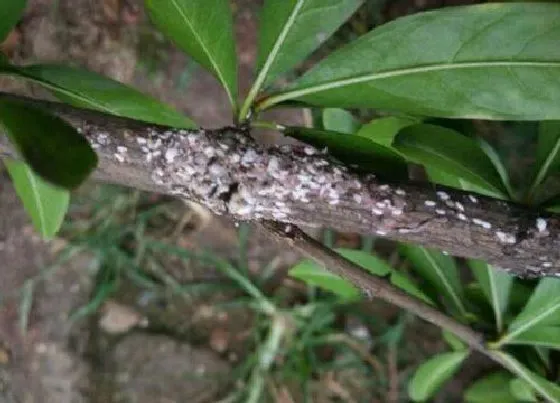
(371, 286)
(376, 287)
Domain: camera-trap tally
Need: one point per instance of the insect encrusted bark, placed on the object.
(228, 172)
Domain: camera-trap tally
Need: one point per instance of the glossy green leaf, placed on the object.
(548, 153)
(291, 29)
(86, 89)
(53, 148)
(447, 179)
(204, 30)
(496, 285)
(339, 120)
(45, 203)
(383, 130)
(545, 336)
(492, 388)
(522, 390)
(498, 164)
(489, 61)
(440, 271)
(542, 309)
(356, 151)
(432, 374)
(316, 275)
(446, 150)
(313, 274)
(453, 341)
(542, 386)
(10, 13)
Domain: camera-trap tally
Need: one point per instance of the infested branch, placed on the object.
(228, 172)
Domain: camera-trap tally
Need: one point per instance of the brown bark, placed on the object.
(229, 173)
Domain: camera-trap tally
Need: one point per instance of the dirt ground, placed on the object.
(133, 349)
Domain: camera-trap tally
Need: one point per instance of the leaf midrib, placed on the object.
(518, 330)
(495, 300)
(279, 42)
(522, 373)
(311, 89)
(208, 54)
(261, 77)
(545, 166)
(446, 283)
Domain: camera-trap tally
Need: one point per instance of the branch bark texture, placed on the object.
(228, 172)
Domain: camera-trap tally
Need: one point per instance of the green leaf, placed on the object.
(542, 309)
(542, 386)
(383, 130)
(339, 120)
(53, 148)
(520, 294)
(403, 282)
(204, 30)
(545, 336)
(548, 153)
(356, 151)
(379, 267)
(496, 286)
(522, 390)
(10, 13)
(440, 271)
(433, 373)
(45, 203)
(478, 302)
(291, 29)
(313, 274)
(498, 164)
(489, 61)
(446, 179)
(86, 89)
(453, 341)
(554, 209)
(445, 150)
(366, 260)
(492, 388)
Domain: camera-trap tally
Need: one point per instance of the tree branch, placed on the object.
(226, 171)
(377, 287)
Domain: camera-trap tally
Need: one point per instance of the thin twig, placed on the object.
(371, 286)
(378, 287)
